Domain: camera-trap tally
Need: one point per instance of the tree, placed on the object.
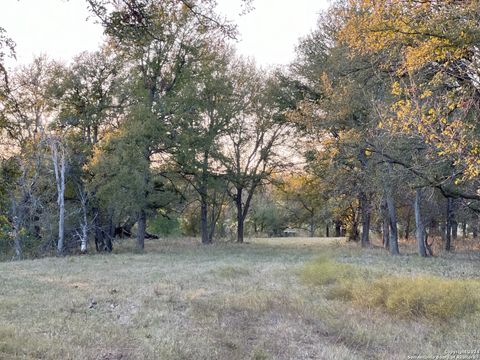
(257, 132)
(305, 200)
(429, 50)
(59, 167)
(26, 110)
(7, 49)
(158, 40)
(207, 107)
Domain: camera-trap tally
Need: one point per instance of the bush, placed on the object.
(427, 296)
(164, 226)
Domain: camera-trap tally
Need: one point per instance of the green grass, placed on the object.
(269, 299)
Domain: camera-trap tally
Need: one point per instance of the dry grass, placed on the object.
(416, 296)
(182, 300)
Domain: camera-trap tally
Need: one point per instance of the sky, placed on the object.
(61, 29)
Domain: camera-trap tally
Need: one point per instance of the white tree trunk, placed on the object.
(60, 180)
(16, 230)
(84, 224)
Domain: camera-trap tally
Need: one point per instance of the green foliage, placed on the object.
(164, 226)
(409, 297)
(5, 235)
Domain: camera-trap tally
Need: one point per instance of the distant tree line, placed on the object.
(163, 118)
(164, 129)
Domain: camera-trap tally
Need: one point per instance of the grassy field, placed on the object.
(269, 299)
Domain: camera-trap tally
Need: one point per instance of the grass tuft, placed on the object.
(324, 271)
(427, 296)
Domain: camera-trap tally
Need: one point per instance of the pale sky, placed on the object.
(61, 30)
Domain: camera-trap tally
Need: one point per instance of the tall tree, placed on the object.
(158, 40)
(257, 138)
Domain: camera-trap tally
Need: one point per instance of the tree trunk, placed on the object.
(338, 228)
(385, 224)
(59, 170)
(84, 222)
(311, 229)
(392, 217)
(327, 230)
(365, 210)
(99, 235)
(454, 230)
(448, 237)
(475, 228)
(240, 230)
(407, 226)
(204, 219)
(16, 229)
(240, 218)
(420, 231)
(392, 214)
(464, 230)
(354, 234)
(141, 230)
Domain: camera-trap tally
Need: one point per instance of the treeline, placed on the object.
(166, 124)
(163, 118)
(389, 94)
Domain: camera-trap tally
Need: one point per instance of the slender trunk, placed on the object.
(407, 227)
(95, 134)
(385, 223)
(16, 229)
(212, 222)
(464, 230)
(59, 170)
(392, 214)
(365, 210)
(204, 219)
(88, 134)
(327, 230)
(454, 230)
(108, 243)
(211, 232)
(448, 237)
(312, 227)
(475, 228)
(354, 233)
(338, 228)
(240, 218)
(420, 231)
(203, 191)
(99, 237)
(84, 234)
(142, 228)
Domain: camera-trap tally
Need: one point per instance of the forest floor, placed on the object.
(182, 300)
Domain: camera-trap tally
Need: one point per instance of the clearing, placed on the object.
(182, 300)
